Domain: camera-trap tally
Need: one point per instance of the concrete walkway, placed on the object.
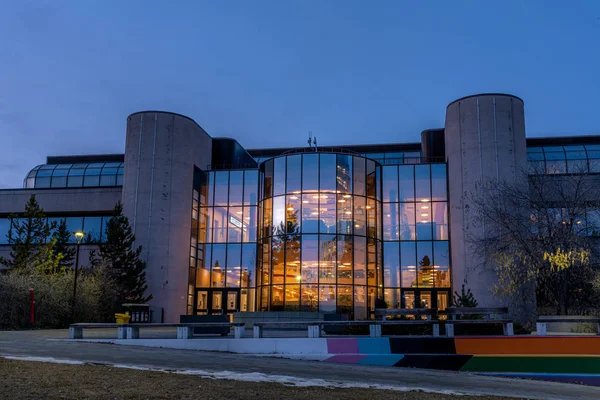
(36, 343)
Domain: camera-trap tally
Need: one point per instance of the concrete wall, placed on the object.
(62, 201)
(485, 140)
(161, 150)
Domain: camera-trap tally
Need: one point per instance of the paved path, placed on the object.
(37, 343)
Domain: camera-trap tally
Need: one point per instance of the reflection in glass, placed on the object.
(344, 250)
(390, 184)
(236, 187)
(359, 176)
(407, 182)
(234, 254)
(294, 177)
(407, 221)
(438, 182)
(422, 183)
(217, 271)
(360, 260)
(327, 303)
(310, 258)
(327, 172)
(310, 173)
(250, 187)
(279, 176)
(408, 259)
(440, 221)
(344, 214)
(221, 188)
(391, 264)
(344, 173)
(327, 259)
(390, 221)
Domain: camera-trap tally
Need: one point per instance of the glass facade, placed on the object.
(93, 226)
(320, 232)
(75, 175)
(573, 159)
(319, 238)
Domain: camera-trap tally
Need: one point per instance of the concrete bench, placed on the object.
(541, 322)
(314, 327)
(491, 314)
(416, 312)
(132, 331)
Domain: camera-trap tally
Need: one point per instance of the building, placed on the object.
(327, 229)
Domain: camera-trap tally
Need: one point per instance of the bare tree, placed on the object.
(538, 236)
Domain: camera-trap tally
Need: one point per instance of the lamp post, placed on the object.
(78, 236)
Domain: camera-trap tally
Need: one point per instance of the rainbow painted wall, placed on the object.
(563, 359)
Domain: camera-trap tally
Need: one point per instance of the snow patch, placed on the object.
(44, 359)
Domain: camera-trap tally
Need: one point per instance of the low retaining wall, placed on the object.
(249, 318)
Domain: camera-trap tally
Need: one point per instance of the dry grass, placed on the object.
(36, 380)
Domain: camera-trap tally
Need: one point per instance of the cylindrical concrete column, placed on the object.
(484, 140)
(161, 150)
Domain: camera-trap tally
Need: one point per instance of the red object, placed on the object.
(32, 313)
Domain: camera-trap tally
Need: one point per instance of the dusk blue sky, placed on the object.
(267, 72)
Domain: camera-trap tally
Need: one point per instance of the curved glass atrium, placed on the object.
(75, 175)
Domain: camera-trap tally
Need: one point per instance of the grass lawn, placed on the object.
(39, 380)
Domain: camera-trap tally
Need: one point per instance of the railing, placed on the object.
(253, 165)
(319, 150)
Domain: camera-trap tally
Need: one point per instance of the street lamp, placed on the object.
(79, 237)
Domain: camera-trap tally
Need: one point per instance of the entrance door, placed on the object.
(217, 301)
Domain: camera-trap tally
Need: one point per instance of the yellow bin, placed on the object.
(122, 318)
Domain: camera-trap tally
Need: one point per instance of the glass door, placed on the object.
(216, 303)
(201, 302)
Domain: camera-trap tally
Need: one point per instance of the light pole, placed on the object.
(78, 236)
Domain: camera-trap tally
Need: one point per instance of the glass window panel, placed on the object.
(408, 259)
(59, 181)
(205, 235)
(4, 229)
(344, 300)
(327, 259)
(438, 182)
(390, 184)
(220, 222)
(577, 163)
(424, 264)
(310, 172)
(294, 174)
(407, 221)
(310, 298)
(279, 176)
(279, 211)
(108, 180)
(91, 171)
(248, 265)
(327, 213)
(327, 170)
(217, 271)
(236, 188)
(264, 298)
(277, 259)
(221, 188)
(292, 214)
(265, 272)
(250, 187)
(371, 179)
(360, 303)
(292, 298)
(310, 258)
(344, 174)
(234, 254)
(42, 182)
(277, 297)
(91, 180)
(203, 270)
(45, 172)
(408, 299)
(92, 226)
(60, 172)
(310, 213)
(359, 176)
(371, 218)
(109, 171)
(392, 297)
(120, 179)
(360, 260)
(249, 230)
(423, 216)
(422, 183)
(327, 303)
(344, 214)
(390, 221)
(235, 224)
(407, 182)
(74, 224)
(267, 222)
(210, 189)
(441, 257)
(391, 264)
(268, 179)
(360, 215)
(440, 220)
(292, 259)
(104, 223)
(344, 250)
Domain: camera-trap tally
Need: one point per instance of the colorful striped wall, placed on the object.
(565, 359)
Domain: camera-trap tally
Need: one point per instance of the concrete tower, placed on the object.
(485, 140)
(161, 151)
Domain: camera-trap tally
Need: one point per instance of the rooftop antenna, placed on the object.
(310, 139)
(315, 143)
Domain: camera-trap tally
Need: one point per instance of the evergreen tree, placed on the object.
(63, 237)
(121, 260)
(29, 236)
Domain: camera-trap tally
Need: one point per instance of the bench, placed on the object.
(314, 327)
(541, 322)
(490, 313)
(132, 331)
